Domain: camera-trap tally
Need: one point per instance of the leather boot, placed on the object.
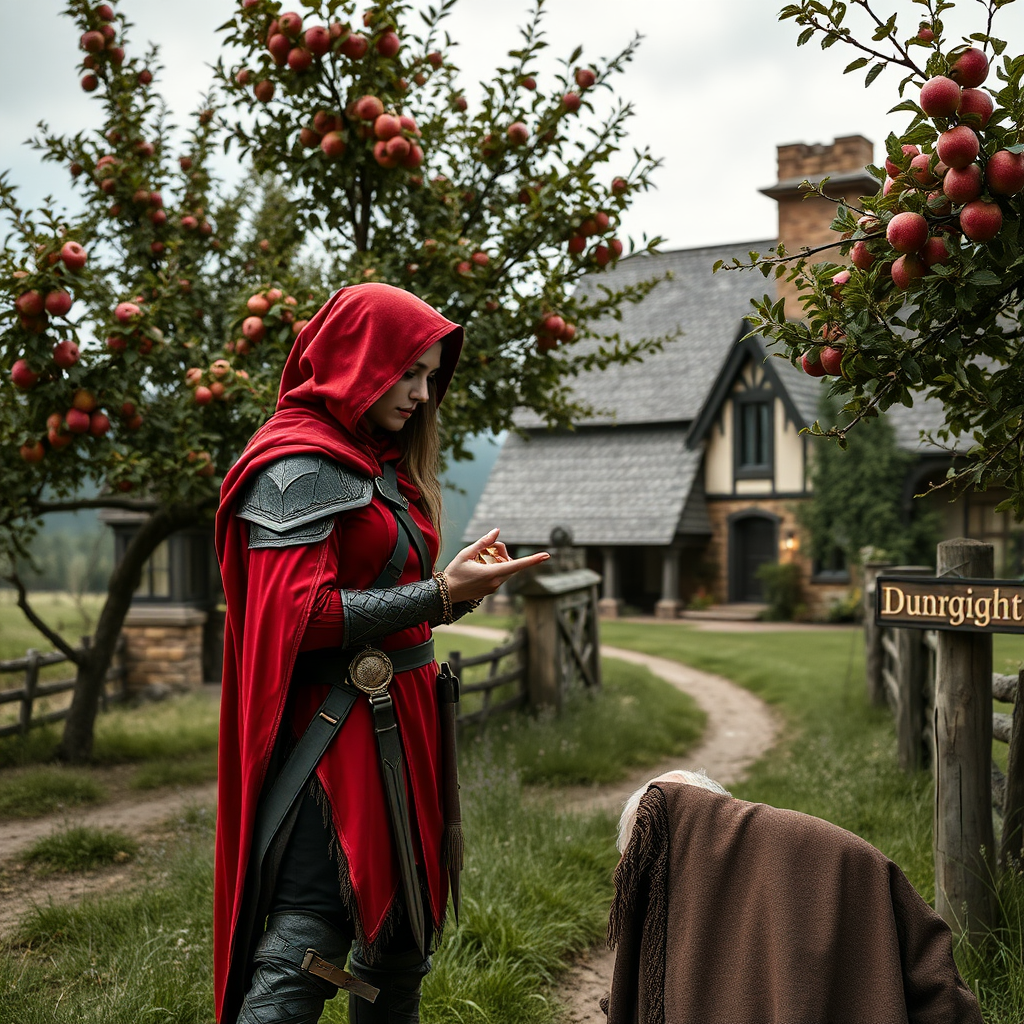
(398, 976)
(280, 991)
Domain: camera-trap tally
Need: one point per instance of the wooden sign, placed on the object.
(951, 603)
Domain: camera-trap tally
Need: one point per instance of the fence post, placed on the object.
(964, 836)
(910, 684)
(873, 654)
(542, 654)
(1010, 851)
(29, 696)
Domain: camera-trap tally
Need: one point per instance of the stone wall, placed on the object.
(164, 648)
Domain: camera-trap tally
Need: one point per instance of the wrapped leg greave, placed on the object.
(281, 992)
(398, 976)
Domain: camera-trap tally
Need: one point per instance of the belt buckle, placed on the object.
(371, 671)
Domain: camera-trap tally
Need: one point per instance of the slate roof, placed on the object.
(670, 385)
(609, 485)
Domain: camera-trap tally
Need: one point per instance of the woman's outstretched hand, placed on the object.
(469, 579)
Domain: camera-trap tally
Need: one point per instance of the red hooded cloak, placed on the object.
(279, 601)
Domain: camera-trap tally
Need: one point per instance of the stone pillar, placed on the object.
(669, 606)
(163, 648)
(610, 605)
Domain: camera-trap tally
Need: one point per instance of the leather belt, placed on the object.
(330, 664)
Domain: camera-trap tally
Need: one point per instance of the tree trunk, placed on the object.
(76, 743)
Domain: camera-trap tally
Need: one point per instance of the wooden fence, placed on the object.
(33, 690)
(497, 677)
(937, 685)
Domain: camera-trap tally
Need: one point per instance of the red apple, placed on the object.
(398, 148)
(93, 42)
(308, 138)
(567, 334)
(1005, 172)
(970, 69)
(935, 251)
(907, 269)
(298, 325)
(571, 102)
(585, 78)
(317, 39)
(387, 126)
(116, 343)
(380, 154)
(185, 162)
(126, 312)
(203, 395)
(22, 375)
(409, 124)
(89, 83)
(893, 169)
(77, 421)
(65, 354)
(264, 91)
(588, 227)
(145, 76)
(939, 204)
(922, 169)
(811, 363)
(925, 33)
(290, 24)
(860, 256)
(413, 160)
(189, 223)
(981, 220)
(388, 44)
(368, 108)
(193, 375)
(464, 267)
(99, 423)
(217, 389)
(481, 259)
(907, 232)
(976, 107)
(962, 184)
(299, 59)
(242, 76)
(30, 303)
(616, 247)
(832, 359)
(332, 145)
(619, 185)
(553, 324)
(577, 243)
(73, 255)
(601, 220)
(958, 147)
(258, 305)
(253, 329)
(158, 218)
(274, 295)
(529, 82)
(355, 46)
(459, 103)
(602, 255)
(518, 133)
(940, 97)
(220, 368)
(33, 452)
(104, 12)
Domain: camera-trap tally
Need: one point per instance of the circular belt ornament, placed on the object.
(371, 671)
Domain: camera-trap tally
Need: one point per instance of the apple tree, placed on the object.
(144, 326)
(931, 305)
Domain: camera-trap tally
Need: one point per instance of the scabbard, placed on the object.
(452, 842)
(389, 746)
(315, 964)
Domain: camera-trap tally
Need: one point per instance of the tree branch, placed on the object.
(55, 638)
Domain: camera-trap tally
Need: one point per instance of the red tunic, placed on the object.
(280, 601)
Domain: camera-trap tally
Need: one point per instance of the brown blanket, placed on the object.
(728, 912)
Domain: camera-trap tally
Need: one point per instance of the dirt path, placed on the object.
(140, 818)
(740, 728)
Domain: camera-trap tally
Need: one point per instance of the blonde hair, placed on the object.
(628, 819)
(420, 444)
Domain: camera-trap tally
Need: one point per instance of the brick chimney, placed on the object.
(804, 222)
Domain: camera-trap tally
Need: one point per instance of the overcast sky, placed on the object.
(717, 85)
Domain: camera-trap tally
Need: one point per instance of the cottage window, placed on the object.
(754, 437)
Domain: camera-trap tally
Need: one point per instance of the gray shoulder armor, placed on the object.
(295, 499)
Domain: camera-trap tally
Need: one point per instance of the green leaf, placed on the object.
(876, 70)
(855, 65)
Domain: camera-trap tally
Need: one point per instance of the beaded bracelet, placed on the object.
(446, 597)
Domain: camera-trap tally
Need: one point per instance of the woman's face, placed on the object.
(392, 410)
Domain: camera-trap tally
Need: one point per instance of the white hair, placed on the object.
(628, 818)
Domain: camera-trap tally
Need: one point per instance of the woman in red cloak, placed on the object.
(327, 536)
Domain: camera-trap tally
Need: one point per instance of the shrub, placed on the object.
(781, 585)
